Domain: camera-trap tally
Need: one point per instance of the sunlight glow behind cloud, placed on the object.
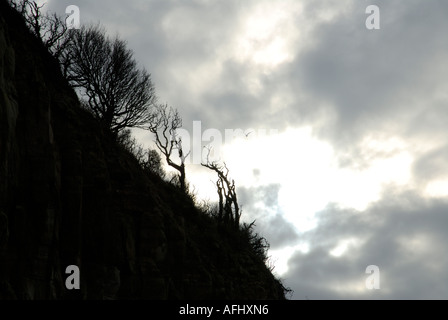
(308, 172)
(269, 33)
(361, 119)
(343, 246)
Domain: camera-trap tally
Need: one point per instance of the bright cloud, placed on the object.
(356, 172)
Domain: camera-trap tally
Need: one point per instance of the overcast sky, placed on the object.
(347, 162)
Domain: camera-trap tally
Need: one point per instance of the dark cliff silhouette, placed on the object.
(71, 195)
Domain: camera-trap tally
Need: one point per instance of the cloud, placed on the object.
(431, 165)
(377, 97)
(340, 77)
(373, 81)
(261, 204)
(404, 235)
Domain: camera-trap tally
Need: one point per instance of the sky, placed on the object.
(345, 162)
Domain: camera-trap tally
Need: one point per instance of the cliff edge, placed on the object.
(70, 195)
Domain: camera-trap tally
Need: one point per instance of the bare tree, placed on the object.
(32, 14)
(55, 35)
(49, 28)
(105, 72)
(102, 69)
(228, 208)
(164, 125)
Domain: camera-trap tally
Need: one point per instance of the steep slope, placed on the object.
(70, 195)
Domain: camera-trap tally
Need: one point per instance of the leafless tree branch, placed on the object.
(164, 124)
(115, 90)
(228, 208)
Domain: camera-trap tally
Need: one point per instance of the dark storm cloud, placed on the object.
(404, 235)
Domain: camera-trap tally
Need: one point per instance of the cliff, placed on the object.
(70, 195)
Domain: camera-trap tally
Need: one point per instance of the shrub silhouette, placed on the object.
(149, 159)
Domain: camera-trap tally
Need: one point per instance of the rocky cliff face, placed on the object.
(69, 195)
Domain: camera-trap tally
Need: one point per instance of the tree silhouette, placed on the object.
(51, 29)
(164, 125)
(104, 70)
(228, 208)
(32, 13)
